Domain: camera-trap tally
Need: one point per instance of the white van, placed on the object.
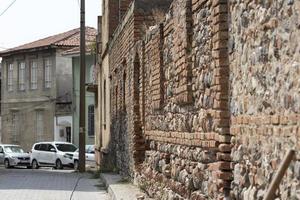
(52, 154)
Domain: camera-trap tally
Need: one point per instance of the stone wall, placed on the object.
(186, 110)
(264, 101)
(119, 119)
(206, 103)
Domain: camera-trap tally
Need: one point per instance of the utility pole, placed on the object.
(82, 90)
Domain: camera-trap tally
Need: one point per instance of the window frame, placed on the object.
(39, 128)
(22, 76)
(104, 102)
(124, 92)
(33, 75)
(10, 77)
(47, 73)
(15, 121)
(91, 120)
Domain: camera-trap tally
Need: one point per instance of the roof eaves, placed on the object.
(17, 51)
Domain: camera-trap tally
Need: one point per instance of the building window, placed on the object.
(33, 75)
(92, 78)
(91, 120)
(48, 73)
(104, 102)
(22, 76)
(116, 93)
(124, 92)
(39, 125)
(15, 127)
(10, 73)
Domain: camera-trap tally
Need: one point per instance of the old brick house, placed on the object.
(200, 98)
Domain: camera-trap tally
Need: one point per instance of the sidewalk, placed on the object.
(118, 189)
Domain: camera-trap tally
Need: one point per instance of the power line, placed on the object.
(8, 7)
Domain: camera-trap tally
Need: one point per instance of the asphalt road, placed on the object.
(49, 184)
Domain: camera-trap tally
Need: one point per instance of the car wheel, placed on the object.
(35, 164)
(58, 164)
(6, 163)
(76, 164)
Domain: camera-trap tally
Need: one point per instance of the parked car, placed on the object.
(13, 155)
(52, 154)
(89, 156)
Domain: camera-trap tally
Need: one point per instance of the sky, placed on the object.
(29, 20)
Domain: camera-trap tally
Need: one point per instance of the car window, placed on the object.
(66, 147)
(90, 149)
(43, 147)
(1, 150)
(13, 149)
(37, 147)
(50, 146)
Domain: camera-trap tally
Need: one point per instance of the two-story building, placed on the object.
(74, 54)
(37, 90)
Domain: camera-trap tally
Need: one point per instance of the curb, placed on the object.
(120, 190)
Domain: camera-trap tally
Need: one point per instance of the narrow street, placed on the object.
(48, 184)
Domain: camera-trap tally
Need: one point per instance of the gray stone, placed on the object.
(198, 178)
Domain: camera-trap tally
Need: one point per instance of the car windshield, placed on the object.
(13, 149)
(66, 147)
(88, 149)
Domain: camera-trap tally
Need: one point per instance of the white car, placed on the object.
(89, 156)
(13, 155)
(52, 154)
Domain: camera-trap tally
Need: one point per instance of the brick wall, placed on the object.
(114, 15)
(121, 74)
(125, 61)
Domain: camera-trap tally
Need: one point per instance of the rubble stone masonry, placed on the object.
(265, 97)
(186, 103)
(205, 97)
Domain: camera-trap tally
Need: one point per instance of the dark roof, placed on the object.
(67, 39)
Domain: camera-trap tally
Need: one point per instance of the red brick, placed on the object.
(275, 119)
(293, 118)
(283, 120)
(233, 120)
(223, 104)
(224, 156)
(220, 8)
(217, 2)
(224, 138)
(221, 165)
(223, 26)
(222, 175)
(225, 147)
